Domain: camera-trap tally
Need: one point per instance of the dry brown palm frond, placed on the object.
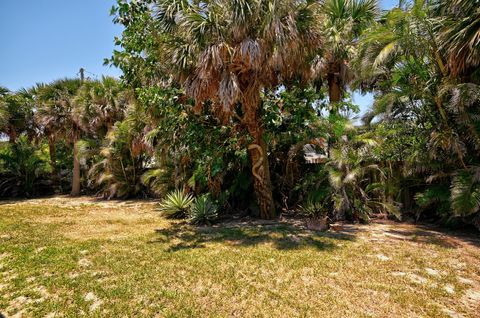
(250, 54)
(201, 89)
(229, 91)
(210, 61)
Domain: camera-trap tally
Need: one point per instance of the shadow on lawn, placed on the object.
(436, 236)
(281, 236)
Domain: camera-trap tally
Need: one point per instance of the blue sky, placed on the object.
(43, 40)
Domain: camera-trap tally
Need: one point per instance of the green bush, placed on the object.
(23, 170)
(176, 205)
(314, 210)
(203, 211)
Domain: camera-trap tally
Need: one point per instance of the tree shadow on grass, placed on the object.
(280, 236)
(434, 235)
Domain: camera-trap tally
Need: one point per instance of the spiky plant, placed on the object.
(203, 211)
(176, 205)
(314, 210)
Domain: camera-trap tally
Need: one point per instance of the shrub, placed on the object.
(23, 170)
(203, 211)
(176, 205)
(313, 210)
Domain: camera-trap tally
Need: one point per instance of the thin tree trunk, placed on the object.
(258, 154)
(76, 171)
(53, 155)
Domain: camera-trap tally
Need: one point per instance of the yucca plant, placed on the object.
(313, 210)
(316, 214)
(203, 211)
(176, 205)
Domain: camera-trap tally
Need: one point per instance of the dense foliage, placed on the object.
(226, 100)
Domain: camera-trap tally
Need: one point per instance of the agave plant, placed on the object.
(203, 211)
(313, 210)
(176, 205)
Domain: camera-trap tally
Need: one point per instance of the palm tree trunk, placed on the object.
(76, 171)
(334, 90)
(261, 178)
(258, 156)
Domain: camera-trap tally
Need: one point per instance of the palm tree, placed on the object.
(343, 22)
(16, 114)
(359, 184)
(121, 160)
(227, 52)
(459, 34)
(114, 146)
(56, 116)
(406, 48)
(4, 91)
(99, 104)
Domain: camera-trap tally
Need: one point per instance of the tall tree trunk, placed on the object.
(334, 90)
(334, 85)
(261, 178)
(258, 155)
(76, 170)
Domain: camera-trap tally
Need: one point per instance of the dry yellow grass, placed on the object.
(68, 258)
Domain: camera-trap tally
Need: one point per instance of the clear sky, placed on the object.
(43, 40)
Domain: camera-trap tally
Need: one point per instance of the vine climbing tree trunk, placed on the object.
(261, 179)
(258, 154)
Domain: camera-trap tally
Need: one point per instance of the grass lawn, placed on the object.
(70, 258)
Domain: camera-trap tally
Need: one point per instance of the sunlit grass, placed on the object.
(126, 261)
